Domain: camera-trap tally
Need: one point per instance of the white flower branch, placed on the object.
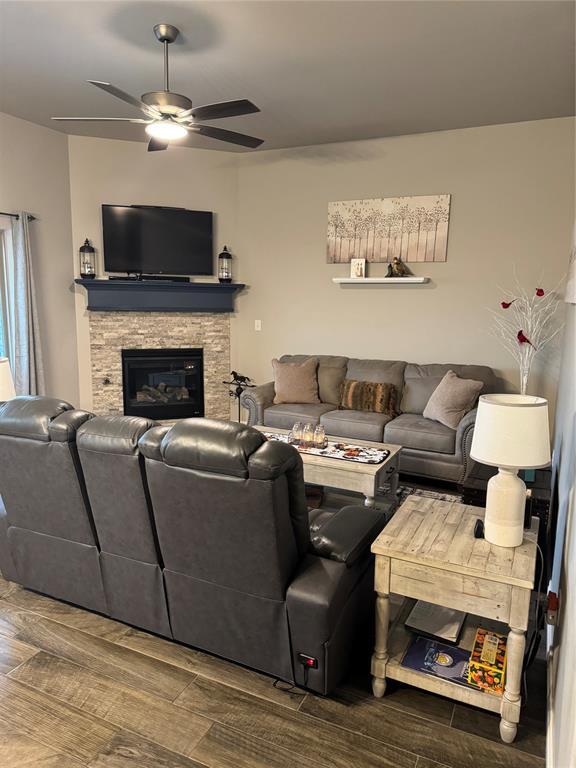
(526, 325)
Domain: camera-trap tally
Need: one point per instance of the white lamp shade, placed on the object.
(7, 391)
(512, 431)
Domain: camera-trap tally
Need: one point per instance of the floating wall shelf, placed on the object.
(379, 280)
(159, 296)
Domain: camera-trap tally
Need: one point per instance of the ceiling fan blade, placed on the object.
(105, 119)
(123, 96)
(223, 109)
(155, 145)
(230, 136)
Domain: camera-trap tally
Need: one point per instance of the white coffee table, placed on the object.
(350, 475)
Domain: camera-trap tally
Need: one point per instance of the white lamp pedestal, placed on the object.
(505, 505)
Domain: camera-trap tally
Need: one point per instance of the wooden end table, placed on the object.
(428, 552)
(350, 475)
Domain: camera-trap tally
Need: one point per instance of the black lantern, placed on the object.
(87, 261)
(225, 266)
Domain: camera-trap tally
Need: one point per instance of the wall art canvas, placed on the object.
(409, 228)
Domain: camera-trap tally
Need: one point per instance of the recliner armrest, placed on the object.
(348, 534)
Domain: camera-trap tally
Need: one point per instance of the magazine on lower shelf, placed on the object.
(439, 659)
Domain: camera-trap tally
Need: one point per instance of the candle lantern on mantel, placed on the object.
(225, 266)
(87, 255)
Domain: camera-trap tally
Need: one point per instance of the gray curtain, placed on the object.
(25, 354)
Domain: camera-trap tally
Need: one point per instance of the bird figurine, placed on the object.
(522, 339)
(397, 268)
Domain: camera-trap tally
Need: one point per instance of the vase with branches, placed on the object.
(525, 324)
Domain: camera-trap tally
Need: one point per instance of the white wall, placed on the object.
(34, 176)
(512, 193)
(123, 172)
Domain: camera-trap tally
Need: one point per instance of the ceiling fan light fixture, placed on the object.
(171, 116)
(166, 130)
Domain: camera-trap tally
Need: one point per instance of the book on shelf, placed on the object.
(438, 659)
(435, 621)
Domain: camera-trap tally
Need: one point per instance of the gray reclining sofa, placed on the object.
(199, 532)
(430, 449)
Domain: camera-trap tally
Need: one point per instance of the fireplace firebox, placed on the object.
(163, 383)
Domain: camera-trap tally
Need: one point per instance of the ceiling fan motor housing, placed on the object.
(167, 102)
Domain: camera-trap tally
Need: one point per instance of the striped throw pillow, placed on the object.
(368, 396)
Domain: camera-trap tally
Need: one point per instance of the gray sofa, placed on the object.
(199, 532)
(430, 449)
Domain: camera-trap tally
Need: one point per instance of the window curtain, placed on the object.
(24, 336)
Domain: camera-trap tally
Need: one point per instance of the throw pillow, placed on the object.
(452, 399)
(368, 396)
(296, 382)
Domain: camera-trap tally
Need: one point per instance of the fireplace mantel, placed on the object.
(159, 296)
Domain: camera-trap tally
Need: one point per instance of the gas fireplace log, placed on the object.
(162, 394)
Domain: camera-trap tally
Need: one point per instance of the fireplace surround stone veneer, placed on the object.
(111, 332)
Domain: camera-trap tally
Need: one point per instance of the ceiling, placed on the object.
(320, 71)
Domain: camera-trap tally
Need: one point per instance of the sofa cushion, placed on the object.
(452, 399)
(417, 391)
(286, 415)
(420, 381)
(355, 425)
(296, 382)
(381, 371)
(412, 431)
(331, 374)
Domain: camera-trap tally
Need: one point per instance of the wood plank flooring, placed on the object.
(78, 690)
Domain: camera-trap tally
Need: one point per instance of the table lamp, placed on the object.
(511, 433)
(7, 391)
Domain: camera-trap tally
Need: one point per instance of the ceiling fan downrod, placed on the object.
(166, 34)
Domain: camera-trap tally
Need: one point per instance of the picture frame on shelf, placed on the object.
(358, 268)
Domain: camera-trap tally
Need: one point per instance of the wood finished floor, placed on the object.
(78, 690)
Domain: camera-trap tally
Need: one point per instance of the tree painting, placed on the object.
(410, 228)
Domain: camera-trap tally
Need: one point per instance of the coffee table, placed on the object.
(350, 475)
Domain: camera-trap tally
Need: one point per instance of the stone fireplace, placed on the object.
(112, 333)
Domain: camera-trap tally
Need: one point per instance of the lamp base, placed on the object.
(505, 504)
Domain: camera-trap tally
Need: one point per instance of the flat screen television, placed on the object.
(158, 241)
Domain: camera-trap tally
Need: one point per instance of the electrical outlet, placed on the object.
(257, 325)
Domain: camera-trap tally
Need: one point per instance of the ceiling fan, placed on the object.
(171, 116)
